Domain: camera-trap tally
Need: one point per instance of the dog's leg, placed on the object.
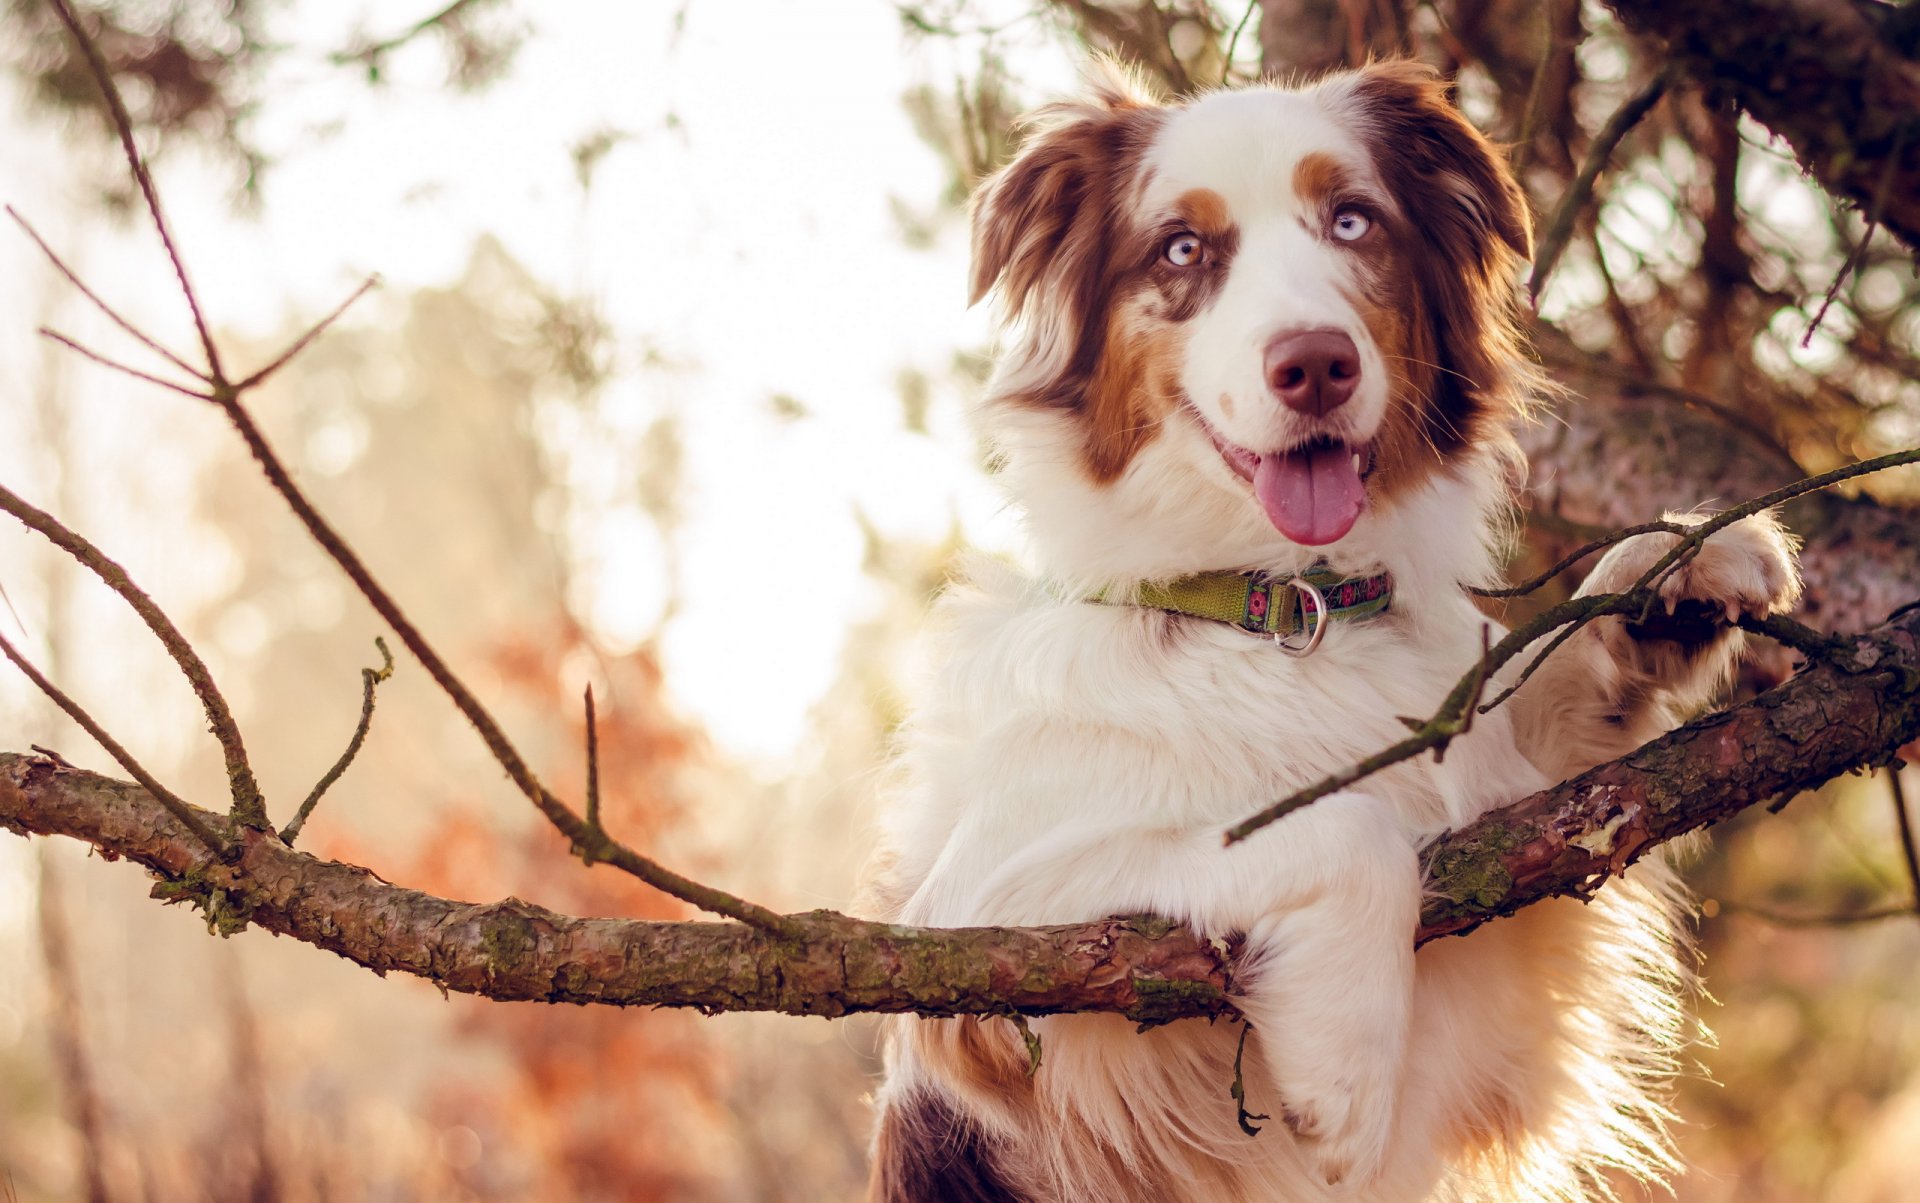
(1328, 897)
(1612, 687)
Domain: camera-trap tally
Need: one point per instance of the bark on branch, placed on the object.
(1853, 707)
(1836, 78)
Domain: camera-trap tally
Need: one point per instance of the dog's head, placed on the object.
(1245, 327)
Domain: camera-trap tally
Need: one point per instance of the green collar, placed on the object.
(1254, 601)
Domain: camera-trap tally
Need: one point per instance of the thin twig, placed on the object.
(1697, 533)
(593, 765)
(369, 677)
(117, 366)
(123, 122)
(369, 54)
(1238, 1090)
(1582, 552)
(1452, 719)
(1860, 248)
(1233, 43)
(1905, 819)
(1560, 229)
(1648, 585)
(248, 807)
(1536, 93)
(1452, 716)
(166, 797)
(300, 344)
(73, 278)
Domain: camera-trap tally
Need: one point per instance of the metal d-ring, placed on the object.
(1319, 628)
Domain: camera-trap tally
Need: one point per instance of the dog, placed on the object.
(1261, 363)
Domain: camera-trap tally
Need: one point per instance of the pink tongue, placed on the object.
(1313, 495)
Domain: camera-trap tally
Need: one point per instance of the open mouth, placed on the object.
(1313, 493)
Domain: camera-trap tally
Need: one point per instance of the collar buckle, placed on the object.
(1307, 593)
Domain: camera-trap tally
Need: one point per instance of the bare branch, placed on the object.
(117, 366)
(60, 265)
(1560, 228)
(123, 123)
(372, 53)
(1536, 92)
(305, 340)
(369, 677)
(1904, 818)
(248, 805)
(593, 765)
(191, 817)
(1582, 552)
(1233, 43)
(1859, 251)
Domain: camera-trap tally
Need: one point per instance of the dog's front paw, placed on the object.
(1750, 568)
(1330, 989)
(1334, 1050)
(1343, 1132)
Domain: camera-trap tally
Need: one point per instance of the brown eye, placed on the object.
(1349, 225)
(1184, 249)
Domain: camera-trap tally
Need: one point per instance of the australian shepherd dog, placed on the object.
(1262, 340)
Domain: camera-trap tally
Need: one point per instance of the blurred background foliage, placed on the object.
(471, 435)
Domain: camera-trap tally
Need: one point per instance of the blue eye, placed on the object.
(1184, 249)
(1350, 225)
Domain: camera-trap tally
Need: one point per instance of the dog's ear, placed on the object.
(1041, 225)
(1445, 174)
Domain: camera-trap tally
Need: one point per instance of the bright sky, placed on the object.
(755, 240)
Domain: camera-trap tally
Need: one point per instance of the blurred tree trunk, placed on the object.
(1302, 37)
(72, 1063)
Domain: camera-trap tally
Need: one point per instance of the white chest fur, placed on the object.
(1069, 716)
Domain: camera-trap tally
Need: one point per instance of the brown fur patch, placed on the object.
(1058, 234)
(927, 1152)
(1205, 212)
(1042, 227)
(1319, 179)
(1135, 385)
(1051, 231)
(978, 1055)
(1439, 288)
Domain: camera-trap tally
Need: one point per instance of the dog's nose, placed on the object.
(1313, 371)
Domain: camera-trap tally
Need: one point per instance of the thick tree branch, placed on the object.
(517, 951)
(1836, 78)
(1854, 706)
